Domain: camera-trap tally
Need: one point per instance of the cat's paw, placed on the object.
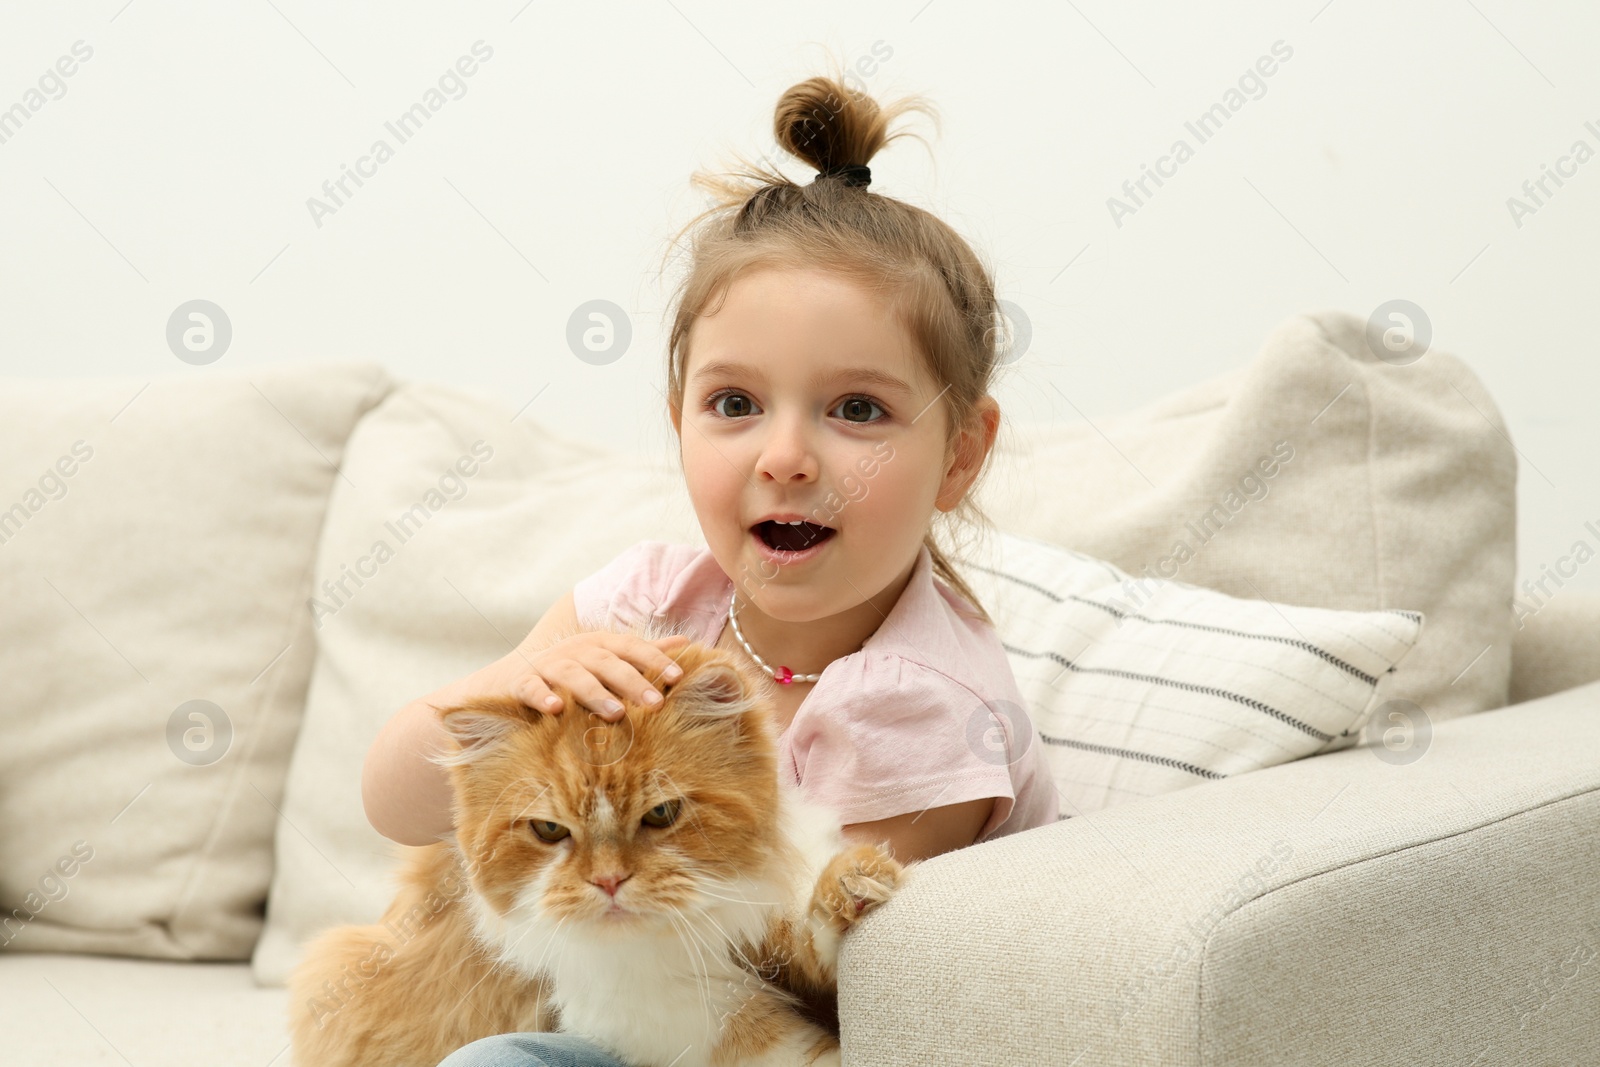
(857, 880)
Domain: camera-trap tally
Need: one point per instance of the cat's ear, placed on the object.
(716, 690)
(477, 727)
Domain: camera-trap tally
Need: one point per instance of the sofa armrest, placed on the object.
(1338, 909)
(1556, 646)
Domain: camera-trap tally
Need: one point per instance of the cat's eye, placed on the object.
(663, 814)
(547, 830)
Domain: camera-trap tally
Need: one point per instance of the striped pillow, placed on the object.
(1142, 686)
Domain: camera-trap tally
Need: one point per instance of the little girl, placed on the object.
(828, 375)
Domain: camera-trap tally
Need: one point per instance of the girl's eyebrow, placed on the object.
(868, 375)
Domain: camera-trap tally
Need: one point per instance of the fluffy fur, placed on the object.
(735, 894)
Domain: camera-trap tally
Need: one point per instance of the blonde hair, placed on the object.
(936, 285)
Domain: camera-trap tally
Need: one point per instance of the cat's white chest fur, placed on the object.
(659, 997)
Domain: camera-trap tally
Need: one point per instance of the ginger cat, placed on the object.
(718, 949)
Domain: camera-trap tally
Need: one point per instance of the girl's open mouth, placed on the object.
(784, 543)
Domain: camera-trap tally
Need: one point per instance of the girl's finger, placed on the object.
(655, 664)
(577, 678)
(621, 678)
(535, 694)
(603, 680)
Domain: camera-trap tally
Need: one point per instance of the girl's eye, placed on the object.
(663, 814)
(548, 831)
(861, 405)
(720, 395)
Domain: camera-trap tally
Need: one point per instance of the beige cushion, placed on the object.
(484, 555)
(157, 546)
(73, 1011)
(1400, 492)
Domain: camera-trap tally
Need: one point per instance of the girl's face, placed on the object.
(804, 397)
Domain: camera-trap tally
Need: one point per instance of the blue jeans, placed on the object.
(531, 1050)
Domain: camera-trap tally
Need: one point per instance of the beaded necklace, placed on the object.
(783, 675)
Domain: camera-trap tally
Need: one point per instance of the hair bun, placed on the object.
(828, 125)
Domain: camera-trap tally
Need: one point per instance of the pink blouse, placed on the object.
(925, 714)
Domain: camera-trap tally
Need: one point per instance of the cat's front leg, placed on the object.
(800, 952)
(854, 882)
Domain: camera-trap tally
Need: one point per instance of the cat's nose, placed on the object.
(610, 882)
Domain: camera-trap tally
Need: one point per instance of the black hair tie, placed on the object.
(852, 173)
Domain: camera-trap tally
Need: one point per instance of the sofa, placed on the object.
(219, 585)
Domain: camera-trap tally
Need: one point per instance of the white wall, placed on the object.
(1377, 164)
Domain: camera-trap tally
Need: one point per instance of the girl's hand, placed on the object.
(597, 668)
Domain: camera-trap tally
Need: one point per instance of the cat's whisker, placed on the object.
(691, 869)
(702, 978)
(707, 874)
(691, 940)
(740, 900)
(714, 951)
(549, 943)
(710, 877)
(685, 864)
(712, 919)
(733, 945)
(697, 933)
(729, 944)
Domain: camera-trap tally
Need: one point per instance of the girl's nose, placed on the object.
(787, 451)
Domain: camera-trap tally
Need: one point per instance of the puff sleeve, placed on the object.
(896, 736)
